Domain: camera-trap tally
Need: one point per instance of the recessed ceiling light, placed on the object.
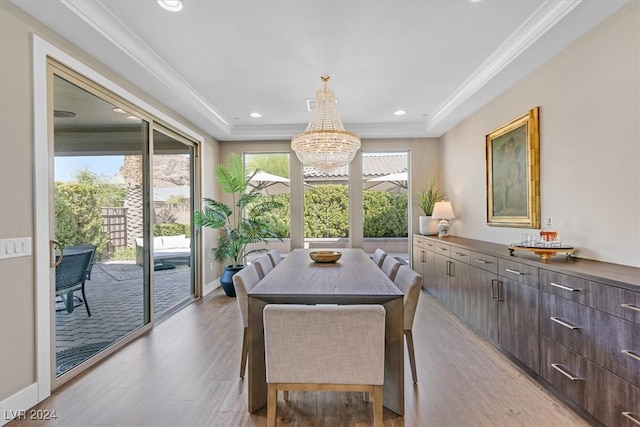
(256, 115)
(400, 112)
(171, 5)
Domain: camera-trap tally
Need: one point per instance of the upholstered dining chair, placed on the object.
(243, 282)
(378, 257)
(390, 266)
(336, 348)
(409, 282)
(263, 265)
(275, 257)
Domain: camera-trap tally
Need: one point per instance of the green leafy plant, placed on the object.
(428, 196)
(243, 222)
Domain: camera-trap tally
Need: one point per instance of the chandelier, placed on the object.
(325, 145)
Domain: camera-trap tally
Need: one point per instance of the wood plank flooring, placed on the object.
(185, 372)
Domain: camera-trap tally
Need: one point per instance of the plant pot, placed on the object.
(428, 226)
(226, 280)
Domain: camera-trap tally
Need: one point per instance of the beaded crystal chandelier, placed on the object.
(325, 145)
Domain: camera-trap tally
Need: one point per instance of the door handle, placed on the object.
(53, 262)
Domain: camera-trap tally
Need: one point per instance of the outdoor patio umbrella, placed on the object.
(395, 181)
(270, 183)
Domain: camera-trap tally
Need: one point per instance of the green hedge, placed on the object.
(171, 229)
(326, 213)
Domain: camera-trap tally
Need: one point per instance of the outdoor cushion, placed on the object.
(173, 242)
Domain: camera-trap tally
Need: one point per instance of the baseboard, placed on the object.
(210, 287)
(17, 406)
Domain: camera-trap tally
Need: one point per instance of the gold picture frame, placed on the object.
(513, 173)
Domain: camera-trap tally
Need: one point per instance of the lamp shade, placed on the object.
(443, 210)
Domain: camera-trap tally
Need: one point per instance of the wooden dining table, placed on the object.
(354, 279)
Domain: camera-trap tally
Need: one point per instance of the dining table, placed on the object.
(353, 279)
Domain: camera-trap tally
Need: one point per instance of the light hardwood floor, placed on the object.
(185, 372)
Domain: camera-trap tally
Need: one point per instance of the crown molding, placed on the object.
(96, 15)
(542, 20)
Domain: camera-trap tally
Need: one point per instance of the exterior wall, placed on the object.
(18, 316)
(589, 98)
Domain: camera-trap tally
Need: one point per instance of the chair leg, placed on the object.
(378, 418)
(69, 302)
(84, 298)
(245, 351)
(412, 357)
(272, 394)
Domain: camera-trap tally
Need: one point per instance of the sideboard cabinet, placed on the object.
(574, 323)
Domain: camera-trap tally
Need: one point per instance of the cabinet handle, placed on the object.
(493, 289)
(566, 288)
(631, 307)
(513, 271)
(429, 244)
(563, 323)
(631, 354)
(422, 256)
(481, 261)
(451, 271)
(559, 368)
(630, 416)
(460, 254)
(443, 249)
(499, 284)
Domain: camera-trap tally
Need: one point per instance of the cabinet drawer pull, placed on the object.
(460, 254)
(566, 288)
(443, 249)
(481, 261)
(513, 271)
(563, 323)
(631, 354)
(630, 416)
(631, 307)
(559, 368)
(429, 244)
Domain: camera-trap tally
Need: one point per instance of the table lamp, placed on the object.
(444, 212)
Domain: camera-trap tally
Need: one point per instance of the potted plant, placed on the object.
(240, 224)
(426, 200)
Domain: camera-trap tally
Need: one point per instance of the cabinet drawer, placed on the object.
(568, 323)
(418, 241)
(483, 261)
(618, 346)
(429, 245)
(609, 398)
(460, 254)
(617, 301)
(442, 249)
(522, 273)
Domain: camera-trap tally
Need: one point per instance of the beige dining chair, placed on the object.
(390, 266)
(263, 265)
(378, 257)
(336, 348)
(243, 282)
(409, 282)
(275, 257)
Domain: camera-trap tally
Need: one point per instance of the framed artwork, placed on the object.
(513, 173)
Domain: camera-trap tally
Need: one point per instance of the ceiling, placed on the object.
(216, 62)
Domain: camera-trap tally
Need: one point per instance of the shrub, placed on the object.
(171, 229)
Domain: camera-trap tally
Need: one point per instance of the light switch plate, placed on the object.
(13, 248)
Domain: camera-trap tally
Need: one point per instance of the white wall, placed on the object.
(589, 98)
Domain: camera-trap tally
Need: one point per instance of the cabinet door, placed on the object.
(459, 282)
(417, 260)
(439, 282)
(483, 300)
(518, 330)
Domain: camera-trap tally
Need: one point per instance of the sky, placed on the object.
(106, 166)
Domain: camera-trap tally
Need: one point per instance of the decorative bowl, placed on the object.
(325, 256)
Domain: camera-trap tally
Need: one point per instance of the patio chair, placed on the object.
(378, 257)
(409, 282)
(335, 348)
(390, 266)
(243, 282)
(71, 274)
(79, 248)
(263, 265)
(275, 257)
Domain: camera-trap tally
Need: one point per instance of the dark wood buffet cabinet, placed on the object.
(574, 323)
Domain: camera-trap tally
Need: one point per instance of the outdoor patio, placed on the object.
(115, 296)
